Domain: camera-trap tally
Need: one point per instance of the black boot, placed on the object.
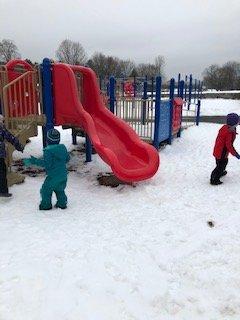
(5, 195)
(216, 183)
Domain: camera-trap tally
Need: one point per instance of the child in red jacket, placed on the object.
(224, 146)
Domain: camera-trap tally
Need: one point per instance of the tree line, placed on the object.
(225, 77)
(72, 52)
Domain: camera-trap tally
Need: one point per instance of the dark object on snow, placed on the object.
(3, 177)
(110, 180)
(28, 141)
(211, 224)
(5, 195)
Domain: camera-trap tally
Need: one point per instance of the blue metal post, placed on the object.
(178, 84)
(181, 94)
(185, 91)
(181, 89)
(195, 90)
(88, 149)
(152, 89)
(190, 92)
(47, 98)
(198, 112)
(157, 111)
(112, 94)
(144, 103)
(171, 97)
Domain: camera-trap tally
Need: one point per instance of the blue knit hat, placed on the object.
(232, 119)
(53, 136)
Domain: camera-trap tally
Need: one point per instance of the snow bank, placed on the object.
(214, 107)
(126, 253)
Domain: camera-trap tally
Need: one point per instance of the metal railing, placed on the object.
(138, 113)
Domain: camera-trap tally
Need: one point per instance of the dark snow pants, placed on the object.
(3, 176)
(218, 171)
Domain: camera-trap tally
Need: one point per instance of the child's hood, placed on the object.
(58, 151)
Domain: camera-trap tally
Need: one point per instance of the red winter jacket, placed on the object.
(224, 143)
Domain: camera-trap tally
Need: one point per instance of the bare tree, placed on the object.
(71, 52)
(105, 66)
(8, 50)
(127, 67)
(226, 77)
(159, 65)
(150, 69)
(146, 69)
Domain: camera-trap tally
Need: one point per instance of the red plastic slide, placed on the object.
(114, 140)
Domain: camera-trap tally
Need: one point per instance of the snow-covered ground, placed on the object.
(219, 106)
(143, 253)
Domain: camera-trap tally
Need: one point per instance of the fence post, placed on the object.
(171, 97)
(112, 94)
(47, 98)
(195, 90)
(88, 149)
(157, 111)
(181, 94)
(198, 112)
(144, 102)
(190, 92)
(185, 90)
(178, 86)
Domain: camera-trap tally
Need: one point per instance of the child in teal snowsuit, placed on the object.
(55, 158)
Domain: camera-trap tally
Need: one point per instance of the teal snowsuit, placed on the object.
(54, 161)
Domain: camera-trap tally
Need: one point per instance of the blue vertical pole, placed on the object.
(47, 98)
(178, 87)
(195, 90)
(88, 149)
(152, 87)
(185, 91)
(112, 94)
(171, 97)
(181, 94)
(190, 92)
(157, 112)
(198, 112)
(144, 102)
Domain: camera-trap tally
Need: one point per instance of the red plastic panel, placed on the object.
(177, 114)
(115, 141)
(22, 97)
(128, 89)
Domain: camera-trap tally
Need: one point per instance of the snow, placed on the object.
(219, 106)
(126, 253)
(220, 91)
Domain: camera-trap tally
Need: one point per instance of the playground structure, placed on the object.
(59, 94)
(20, 88)
(137, 111)
(153, 109)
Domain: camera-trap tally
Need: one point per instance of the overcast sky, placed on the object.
(190, 34)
